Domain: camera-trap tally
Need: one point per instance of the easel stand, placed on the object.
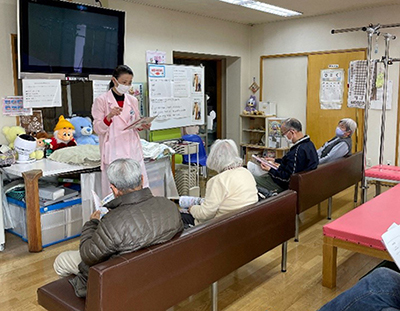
(372, 30)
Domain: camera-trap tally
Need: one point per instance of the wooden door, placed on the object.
(321, 124)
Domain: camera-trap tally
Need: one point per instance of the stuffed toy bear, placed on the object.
(11, 133)
(84, 131)
(63, 135)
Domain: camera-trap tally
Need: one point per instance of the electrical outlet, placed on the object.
(388, 162)
(369, 163)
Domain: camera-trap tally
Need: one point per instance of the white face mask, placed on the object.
(288, 140)
(122, 88)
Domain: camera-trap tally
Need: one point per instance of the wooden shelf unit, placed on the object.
(252, 129)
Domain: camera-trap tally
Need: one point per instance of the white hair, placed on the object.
(125, 174)
(350, 125)
(223, 154)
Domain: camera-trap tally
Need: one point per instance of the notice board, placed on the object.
(176, 95)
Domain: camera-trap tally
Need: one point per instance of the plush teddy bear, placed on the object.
(84, 131)
(63, 135)
(11, 133)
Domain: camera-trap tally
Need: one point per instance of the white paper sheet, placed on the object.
(40, 93)
(99, 87)
(391, 239)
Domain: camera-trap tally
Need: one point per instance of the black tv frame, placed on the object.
(25, 69)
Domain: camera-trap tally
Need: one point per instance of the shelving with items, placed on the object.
(59, 222)
(254, 136)
(187, 176)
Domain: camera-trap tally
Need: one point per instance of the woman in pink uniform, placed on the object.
(112, 112)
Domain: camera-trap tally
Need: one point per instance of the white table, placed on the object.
(159, 172)
(31, 173)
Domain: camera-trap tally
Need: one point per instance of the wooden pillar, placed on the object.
(329, 267)
(31, 179)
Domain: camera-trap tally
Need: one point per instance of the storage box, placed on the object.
(59, 222)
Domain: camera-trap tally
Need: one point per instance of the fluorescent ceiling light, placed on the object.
(264, 7)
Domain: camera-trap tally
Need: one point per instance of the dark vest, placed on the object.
(329, 147)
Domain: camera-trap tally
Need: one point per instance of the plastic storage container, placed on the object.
(59, 222)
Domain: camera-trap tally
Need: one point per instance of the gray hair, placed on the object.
(125, 174)
(292, 124)
(223, 154)
(350, 125)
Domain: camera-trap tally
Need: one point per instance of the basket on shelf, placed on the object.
(185, 178)
(17, 193)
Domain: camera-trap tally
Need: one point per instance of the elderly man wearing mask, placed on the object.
(302, 156)
(340, 145)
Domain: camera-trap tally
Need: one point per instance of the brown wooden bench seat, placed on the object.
(161, 276)
(326, 180)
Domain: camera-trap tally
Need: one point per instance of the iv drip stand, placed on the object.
(371, 30)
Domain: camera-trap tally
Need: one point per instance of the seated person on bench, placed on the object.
(135, 220)
(234, 187)
(340, 145)
(302, 156)
(379, 290)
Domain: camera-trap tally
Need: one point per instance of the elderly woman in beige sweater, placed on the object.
(234, 187)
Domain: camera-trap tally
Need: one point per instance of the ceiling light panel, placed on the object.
(264, 7)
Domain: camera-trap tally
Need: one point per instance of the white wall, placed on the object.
(150, 28)
(8, 26)
(313, 34)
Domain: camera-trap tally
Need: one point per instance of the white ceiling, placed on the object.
(225, 11)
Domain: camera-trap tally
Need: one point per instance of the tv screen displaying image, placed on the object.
(69, 38)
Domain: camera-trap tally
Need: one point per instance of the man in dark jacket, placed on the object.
(302, 156)
(136, 219)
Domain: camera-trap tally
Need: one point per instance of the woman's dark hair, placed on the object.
(120, 70)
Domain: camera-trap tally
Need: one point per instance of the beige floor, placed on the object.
(258, 285)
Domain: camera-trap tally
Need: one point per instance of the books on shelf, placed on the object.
(266, 162)
(69, 194)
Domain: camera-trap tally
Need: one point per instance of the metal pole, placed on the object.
(284, 257)
(370, 32)
(386, 63)
(214, 289)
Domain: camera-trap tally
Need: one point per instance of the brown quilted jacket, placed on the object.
(135, 220)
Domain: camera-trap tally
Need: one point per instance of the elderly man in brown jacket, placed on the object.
(136, 219)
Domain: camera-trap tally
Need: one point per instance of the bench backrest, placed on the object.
(163, 275)
(326, 180)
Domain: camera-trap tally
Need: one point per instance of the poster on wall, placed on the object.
(156, 57)
(331, 88)
(176, 95)
(41, 93)
(100, 87)
(14, 106)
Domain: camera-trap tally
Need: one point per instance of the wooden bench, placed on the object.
(360, 231)
(326, 180)
(161, 276)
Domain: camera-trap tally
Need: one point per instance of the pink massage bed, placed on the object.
(382, 173)
(360, 230)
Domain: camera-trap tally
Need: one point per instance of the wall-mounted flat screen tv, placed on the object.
(69, 38)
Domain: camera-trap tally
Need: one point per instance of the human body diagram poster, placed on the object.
(331, 88)
(176, 95)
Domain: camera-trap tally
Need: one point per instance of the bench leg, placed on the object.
(284, 257)
(329, 256)
(355, 194)
(214, 290)
(377, 188)
(296, 235)
(330, 208)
